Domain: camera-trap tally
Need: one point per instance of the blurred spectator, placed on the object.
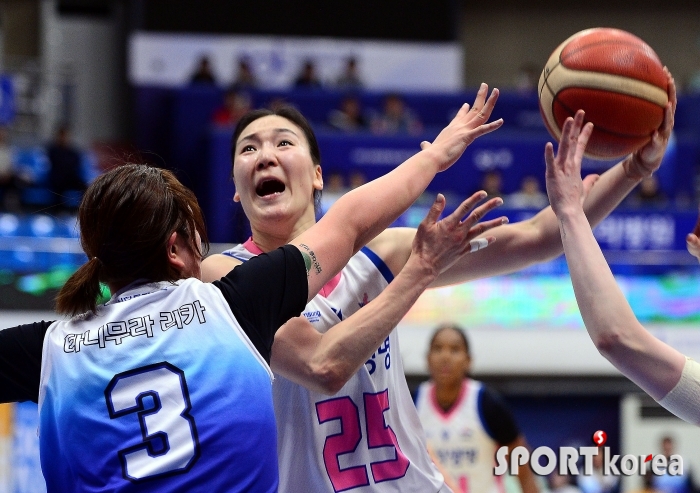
(527, 78)
(307, 78)
(682, 483)
(395, 118)
(65, 174)
(349, 79)
(561, 483)
(648, 194)
(529, 196)
(203, 73)
(10, 179)
(333, 189)
(349, 117)
(245, 78)
(648, 483)
(277, 102)
(492, 183)
(236, 104)
(599, 482)
(357, 179)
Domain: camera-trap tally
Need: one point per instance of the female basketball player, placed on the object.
(368, 434)
(451, 402)
(660, 370)
(166, 387)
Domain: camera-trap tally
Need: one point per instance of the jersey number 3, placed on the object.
(158, 395)
(379, 434)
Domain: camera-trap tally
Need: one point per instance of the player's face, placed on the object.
(273, 171)
(448, 361)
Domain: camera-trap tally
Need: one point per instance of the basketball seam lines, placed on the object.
(614, 83)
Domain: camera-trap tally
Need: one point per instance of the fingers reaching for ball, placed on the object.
(648, 159)
(565, 188)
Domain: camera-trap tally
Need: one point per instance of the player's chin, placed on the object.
(274, 210)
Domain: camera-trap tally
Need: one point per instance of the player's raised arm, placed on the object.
(537, 239)
(361, 214)
(325, 362)
(613, 327)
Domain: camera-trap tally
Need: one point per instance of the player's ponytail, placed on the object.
(80, 292)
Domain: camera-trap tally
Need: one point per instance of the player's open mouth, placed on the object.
(269, 187)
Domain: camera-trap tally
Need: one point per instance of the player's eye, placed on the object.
(247, 148)
(285, 142)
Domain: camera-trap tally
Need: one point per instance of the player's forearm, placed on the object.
(610, 189)
(368, 210)
(604, 309)
(537, 239)
(348, 345)
(608, 317)
(605, 195)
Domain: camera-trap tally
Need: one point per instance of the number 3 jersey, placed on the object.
(367, 437)
(164, 390)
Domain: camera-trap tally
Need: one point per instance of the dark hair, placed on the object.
(459, 330)
(293, 115)
(126, 218)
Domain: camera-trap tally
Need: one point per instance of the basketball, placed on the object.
(616, 78)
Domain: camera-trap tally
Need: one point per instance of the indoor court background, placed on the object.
(117, 72)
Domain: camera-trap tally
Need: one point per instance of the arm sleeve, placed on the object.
(683, 399)
(265, 292)
(497, 417)
(20, 361)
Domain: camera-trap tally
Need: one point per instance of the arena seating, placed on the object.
(174, 124)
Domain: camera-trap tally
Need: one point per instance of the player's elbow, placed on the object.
(328, 377)
(609, 341)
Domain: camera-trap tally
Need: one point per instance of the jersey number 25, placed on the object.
(379, 434)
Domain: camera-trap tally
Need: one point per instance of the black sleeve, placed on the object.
(20, 361)
(265, 292)
(497, 417)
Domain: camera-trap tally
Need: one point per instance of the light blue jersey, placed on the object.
(161, 391)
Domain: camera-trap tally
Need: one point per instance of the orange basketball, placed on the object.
(616, 78)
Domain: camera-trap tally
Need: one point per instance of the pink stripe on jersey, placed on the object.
(432, 398)
(325, 290)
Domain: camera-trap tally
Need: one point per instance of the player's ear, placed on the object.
(174, 251)
(318, 177)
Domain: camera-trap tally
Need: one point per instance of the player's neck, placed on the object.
(274, 236)
(447, 394)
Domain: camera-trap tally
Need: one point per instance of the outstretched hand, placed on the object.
(465, 128)
(565, 188)
(648, 159)
(440, 243)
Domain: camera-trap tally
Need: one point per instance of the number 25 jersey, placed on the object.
(367, 437)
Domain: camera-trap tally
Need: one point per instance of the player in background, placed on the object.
(367, 436)
(166, 387)
(465, 422)
(668, 376)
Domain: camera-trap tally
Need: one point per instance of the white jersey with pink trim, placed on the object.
(367, 437)
(459, 439)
